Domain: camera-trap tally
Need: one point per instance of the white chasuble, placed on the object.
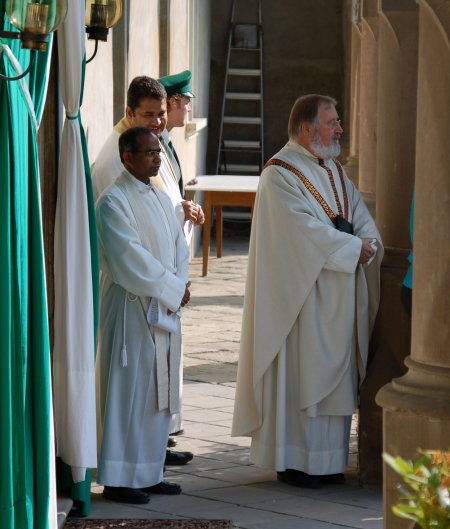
(144, 256)
(308, 312)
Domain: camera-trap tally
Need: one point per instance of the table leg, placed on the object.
(206, 232)
(219, 231)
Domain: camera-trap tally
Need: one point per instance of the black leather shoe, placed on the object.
(171, 442)
(297, 478)
(125, 495)
(178, 458)
(164, 487)
(332, 479)
(179, 432)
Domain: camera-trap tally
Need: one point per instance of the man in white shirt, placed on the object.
(144, 263)
(146, 107)
(311, 297)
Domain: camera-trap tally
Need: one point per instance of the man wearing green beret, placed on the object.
(178, 107)
(179, 97)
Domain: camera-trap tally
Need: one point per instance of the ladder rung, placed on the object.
(237, 48)
(243, 96)
(240, 168)
(251, 72)
(241, 144)
(242, 120)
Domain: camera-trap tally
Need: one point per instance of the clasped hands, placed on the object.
(367, 251)
(185, 299)
(193, 212)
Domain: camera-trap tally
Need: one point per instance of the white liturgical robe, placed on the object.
(143, 256)
(308, 312)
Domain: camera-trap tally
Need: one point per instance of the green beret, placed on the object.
(177, 84)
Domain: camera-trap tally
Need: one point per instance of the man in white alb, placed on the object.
(311, 297)
(144, 263)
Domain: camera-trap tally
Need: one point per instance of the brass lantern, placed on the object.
(35, 20)
(100, 16)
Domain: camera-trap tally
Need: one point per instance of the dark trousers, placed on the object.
(406, 299)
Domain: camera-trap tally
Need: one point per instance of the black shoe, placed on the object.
(164, 487)
(171, 442)
(177, 458)
(125, 495)
(180, 432)
(297, 478)
(332, 479)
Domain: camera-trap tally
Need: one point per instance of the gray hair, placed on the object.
(306, 110)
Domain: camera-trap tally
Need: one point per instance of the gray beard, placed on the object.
(332, 151)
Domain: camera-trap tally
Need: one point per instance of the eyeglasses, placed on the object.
(333, 123)
(150, 152)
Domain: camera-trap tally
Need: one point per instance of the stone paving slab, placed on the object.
(247, 495)
(328, 511)
(195, 485)
(241, 475)
(208, 431)
(198, 415)
(239, 456)
(210, 403)
(350, 494)
(201, 464)
(291, 522)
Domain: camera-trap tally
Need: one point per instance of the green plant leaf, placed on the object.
(423, 460)
(400, 513)
(400, 465)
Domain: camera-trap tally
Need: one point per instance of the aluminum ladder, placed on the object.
(241, 136)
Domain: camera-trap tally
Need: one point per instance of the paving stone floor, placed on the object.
(220, 482)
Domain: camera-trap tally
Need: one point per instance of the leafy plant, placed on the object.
(426, 497)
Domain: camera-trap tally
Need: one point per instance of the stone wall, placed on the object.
(303, 53)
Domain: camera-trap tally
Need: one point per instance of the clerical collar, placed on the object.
(142, 186)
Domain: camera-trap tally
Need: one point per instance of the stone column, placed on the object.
(368, 101)
(416, 407)
(352, 165)
(120, 62)
(395, 167)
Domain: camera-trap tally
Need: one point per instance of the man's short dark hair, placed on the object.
(306, 110)
(128, 140)
(144, 87)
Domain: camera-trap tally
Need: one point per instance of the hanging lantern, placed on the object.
(35, 20)
(100, 16)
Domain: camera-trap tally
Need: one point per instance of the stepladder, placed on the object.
(241, 137)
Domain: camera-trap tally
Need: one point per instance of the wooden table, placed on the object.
(222, 190)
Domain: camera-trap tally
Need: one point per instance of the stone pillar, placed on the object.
(416, 407)
(368, 101)
(395, 167)
(352, 165)
(120, 62)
